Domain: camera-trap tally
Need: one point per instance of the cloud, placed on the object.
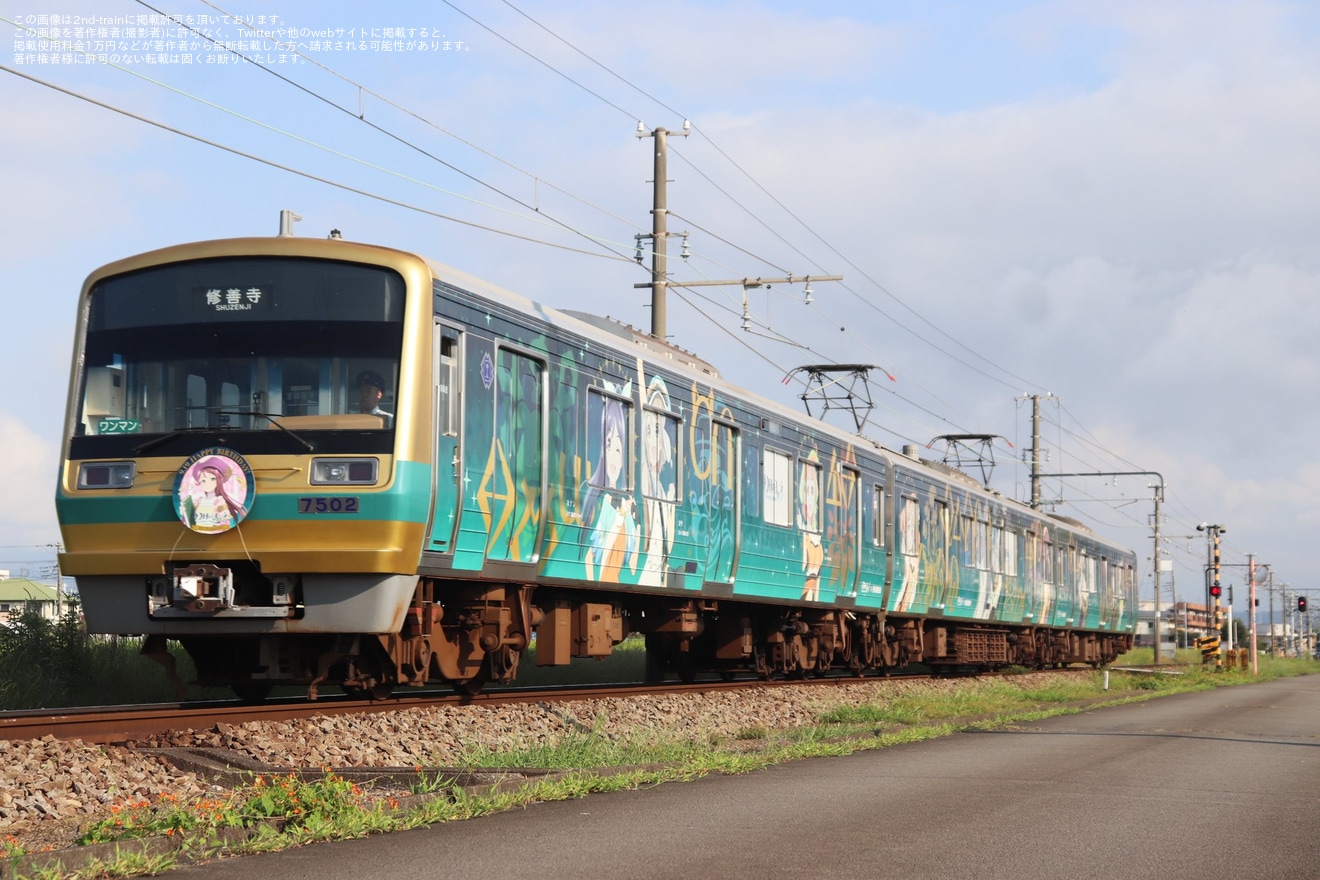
(28, 514)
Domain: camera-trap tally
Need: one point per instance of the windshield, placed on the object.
(236, 345)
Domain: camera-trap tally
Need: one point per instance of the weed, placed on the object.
(303, 807)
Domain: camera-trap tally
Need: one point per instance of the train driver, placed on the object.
(370, 389)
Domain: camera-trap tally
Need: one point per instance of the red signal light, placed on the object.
(1301, 603)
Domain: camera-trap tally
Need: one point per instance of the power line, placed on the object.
(398, 138)
(305, 174)
(773, 199)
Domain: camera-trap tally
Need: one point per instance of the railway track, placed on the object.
(122, 724)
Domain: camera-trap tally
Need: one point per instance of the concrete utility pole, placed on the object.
(659, 237)
(1159, 496)
(1274, 636)
(1035, 460)
(659, 224)
(1251, 603)
(59, 582)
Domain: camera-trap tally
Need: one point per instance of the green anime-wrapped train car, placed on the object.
(316, 461)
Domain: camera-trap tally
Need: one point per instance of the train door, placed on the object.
(722, 500)
(448, 431)
(907, 525)
(1032, 577)
(843, 511)
(1067, 595)
(1045, 604)
(943, 589)
(875, 559)
(517, 491)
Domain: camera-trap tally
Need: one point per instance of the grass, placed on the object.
(627, 662)
(49, 665)
(282, 812)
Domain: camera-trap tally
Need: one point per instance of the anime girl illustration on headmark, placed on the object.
(609, 512)
(212, 492)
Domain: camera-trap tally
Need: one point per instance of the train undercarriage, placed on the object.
(480, 634)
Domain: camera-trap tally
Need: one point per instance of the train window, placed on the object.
(846, 501)
(967, 541)
(775, 488)
(229, 407)
(231, 344)
(939, 533)
(982, 546)
(909, 525)
(878, 515)
(1010, 566)
(808, 495)
(660, 452)
(661, 449)
(448, 381)
(194, 406)
(610, 443)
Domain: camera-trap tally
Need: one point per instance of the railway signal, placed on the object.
(1213, 531)
(1301, 603)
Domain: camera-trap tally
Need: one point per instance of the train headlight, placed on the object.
(344, 471)
(106, 475)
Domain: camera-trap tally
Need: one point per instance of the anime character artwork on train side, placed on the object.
(515, 473)
(634, 488)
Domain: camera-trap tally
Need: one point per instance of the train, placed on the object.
(318, 462)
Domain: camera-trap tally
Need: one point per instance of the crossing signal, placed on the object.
(1301, 603)
(1215, 590)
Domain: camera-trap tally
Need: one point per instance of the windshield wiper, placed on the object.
(156, 441)
(274, 419)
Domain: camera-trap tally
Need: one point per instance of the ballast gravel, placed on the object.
(51, 789)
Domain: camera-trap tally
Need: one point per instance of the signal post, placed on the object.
(1211, 645)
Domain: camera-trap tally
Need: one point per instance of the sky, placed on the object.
(1109, 206)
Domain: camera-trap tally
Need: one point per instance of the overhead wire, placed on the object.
(363, 89)
(297, 171)
(598, 96)
(535, 211)
(594, 94)
(788, 211)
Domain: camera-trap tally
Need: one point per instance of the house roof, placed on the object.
(25, 590)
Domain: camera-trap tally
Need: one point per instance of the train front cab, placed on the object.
(220, 485)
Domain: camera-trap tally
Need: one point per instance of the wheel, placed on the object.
(471, 687)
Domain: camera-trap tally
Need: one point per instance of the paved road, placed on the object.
(1222, 784)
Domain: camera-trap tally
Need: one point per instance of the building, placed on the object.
(22, 594)
(1181, 624)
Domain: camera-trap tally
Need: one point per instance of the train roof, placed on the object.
(605, 330)
(593, 326)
